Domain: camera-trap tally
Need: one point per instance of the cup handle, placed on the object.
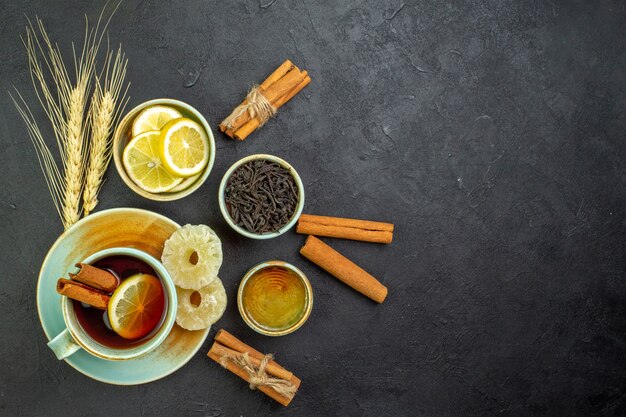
(63, 345)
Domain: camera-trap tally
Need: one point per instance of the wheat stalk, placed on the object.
(104, 112)
(44, 156)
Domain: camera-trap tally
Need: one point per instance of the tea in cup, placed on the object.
(121, 331)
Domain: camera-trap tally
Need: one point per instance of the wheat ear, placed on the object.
(107, 102)
(74, 156)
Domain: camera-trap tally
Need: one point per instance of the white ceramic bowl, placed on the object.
(243, 231)
(122, 136)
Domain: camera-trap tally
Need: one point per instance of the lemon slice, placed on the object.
(136, 306)
(154, 118)
(193, 256)
(187, 182)
(198, 309)
(185, 147)
(143, 164)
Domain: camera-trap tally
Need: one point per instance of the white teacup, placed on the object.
(74, 337)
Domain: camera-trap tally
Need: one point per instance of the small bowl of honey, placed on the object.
(275, 298)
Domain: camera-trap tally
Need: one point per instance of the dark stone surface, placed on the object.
(490, 132)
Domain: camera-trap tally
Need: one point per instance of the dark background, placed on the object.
(490, 132)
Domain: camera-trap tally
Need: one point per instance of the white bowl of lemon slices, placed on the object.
(163, 149)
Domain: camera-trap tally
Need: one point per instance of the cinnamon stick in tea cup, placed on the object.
(344, 269)
(95, 277)
(83, 293)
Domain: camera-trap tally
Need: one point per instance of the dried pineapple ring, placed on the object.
(193, 256)
(212, 305)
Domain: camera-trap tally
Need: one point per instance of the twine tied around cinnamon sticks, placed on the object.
(257, 369)
(256, 105)
(264, 100)
(257, 374)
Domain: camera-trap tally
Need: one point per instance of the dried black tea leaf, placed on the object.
(261, 196)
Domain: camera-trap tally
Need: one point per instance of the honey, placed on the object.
(275, 298)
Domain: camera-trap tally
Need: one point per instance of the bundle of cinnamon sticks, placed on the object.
(264, 100)
(259, 370)
(334, 262)
(90, 285)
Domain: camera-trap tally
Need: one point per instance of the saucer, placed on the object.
(120, 227)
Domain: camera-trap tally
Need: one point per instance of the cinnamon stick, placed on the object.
(244, 131)
(95, 277)
(83, 293)
(275, 76)
(232, 342)
(274, 92)
(277, 371)
(241, 373)
(344, 269)
(363, 230)
(229, 341)
(285, 82)
(279, 73)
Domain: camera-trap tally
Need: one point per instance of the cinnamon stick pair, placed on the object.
(90, 285)
(335, 263)
(263, 101)
(228, 346)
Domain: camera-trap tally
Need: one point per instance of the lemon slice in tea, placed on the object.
(185, 147)
(143, 164)
(136, 306)
(154, 118)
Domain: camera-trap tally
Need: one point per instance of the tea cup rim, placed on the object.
(97, 349)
